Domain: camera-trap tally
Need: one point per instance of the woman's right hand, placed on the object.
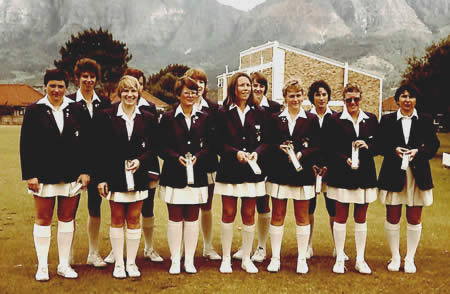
(400, 151)
(33, 184)
(242, 157)
(103, 189)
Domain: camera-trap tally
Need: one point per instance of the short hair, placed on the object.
(128, 82)
(352, 88)
(231, 92)
(314, 88)
(55, 74)
(134, 72)
(87, 65)
(260, 78)
(294, 84)
(198, 74)
(407, 86)
(182, 82)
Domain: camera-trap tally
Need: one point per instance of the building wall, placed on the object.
(255, 58)
(371, 91)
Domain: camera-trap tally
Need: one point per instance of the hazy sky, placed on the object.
(245, 5)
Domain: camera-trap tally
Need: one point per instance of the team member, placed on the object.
(407, 141)
(240, 140)
(292, 128)
(127, 138)
(54, 168)
(351, 172)
(184, 134)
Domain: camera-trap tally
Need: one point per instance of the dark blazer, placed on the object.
(305, 138)
(274, 107)
(322, 139)
(422, 137)
(114, 149)
(45, 153)
(176, 140)
(232, 137)
(213, 160)
(339, 137)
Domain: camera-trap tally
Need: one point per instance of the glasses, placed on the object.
(190, 94)
(352, 99)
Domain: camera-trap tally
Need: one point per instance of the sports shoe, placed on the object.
(259, 255)
(394, 265)
(133, 271)
(339, 266)
(175, 267)
(189, 267)
(309, 252)
(95, 260)
(66, 271)
(119, 272)
(238, 254)
(225, 266)
(362, 267)
(152, 255)
(248, 266)
(302, 266)
(409, 266)
(110, 258)
(274, 265)
(345, 255)
(42, 274)
(211, 254)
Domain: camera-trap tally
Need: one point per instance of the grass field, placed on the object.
(18, 258)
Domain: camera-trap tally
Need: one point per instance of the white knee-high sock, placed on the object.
(206, 221)
(133, 239)
(227, 239)
(191, 232)
(93, 228)
(174, 236)
(117, 240)
(148, 224)
(65, 235)
(412, 240)
(263, 228)
(276, 238)
(248, 234)
(302, 233)
(339, 232)
(393, 237)
(360, 240)
(42, 237)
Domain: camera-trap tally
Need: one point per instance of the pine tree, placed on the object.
(161, 84)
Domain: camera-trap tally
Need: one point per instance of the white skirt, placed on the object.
(186, 195)
(211, 178)
(290, 192)
(359, 196)
(241, 190)
(61, 189)
(128, 197)
(411, 195)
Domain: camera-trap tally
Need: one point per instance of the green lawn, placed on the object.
(18, 259)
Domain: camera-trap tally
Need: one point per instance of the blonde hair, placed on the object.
(128, 82)
(352, 88)
(293, 85)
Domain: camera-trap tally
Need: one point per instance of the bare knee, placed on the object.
(278, 216)
(414, 215)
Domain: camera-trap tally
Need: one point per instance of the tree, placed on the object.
(100, 46)
(161, 84)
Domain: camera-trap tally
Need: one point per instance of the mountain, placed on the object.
(372, 35)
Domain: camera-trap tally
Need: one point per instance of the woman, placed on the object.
(127, 138)
(88, 73)
(203, 104)
(184, 135)
(319, 94)
(51, 151)
(351, 173)
(296, 130)
(407, 141)
(240, 141)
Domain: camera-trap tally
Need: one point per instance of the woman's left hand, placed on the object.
(84, 179)
(412, 153)
(134, 165)
(360, 144)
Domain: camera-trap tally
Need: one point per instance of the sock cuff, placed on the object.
(361, 227)
(175, 224)
(391, 227)
(417, 227)
(227, 225)
(115, 232)
(265, 215)
(148, 222)
(276, 229)
(65, 227)
(42, 231)
(339, 226)
(133, 234)
(302, 230)
(246, 228)
(191, 224)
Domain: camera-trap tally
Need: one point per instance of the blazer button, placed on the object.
(189, 142)
(244, 149)
(243, 138)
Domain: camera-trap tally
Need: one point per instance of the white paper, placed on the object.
(298, 167)
(318, 184)
(255, 167)
(355, 158)
(75, 189)
(189, 169)
(405, 162)
(129, 176)
(446, 159)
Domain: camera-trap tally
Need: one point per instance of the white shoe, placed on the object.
(110, 258)
(345, 255)
(302, 266)
(119, 271)
(42, 274)
(133, 271)
(339, 266)
(211, 254)
(66, 272)
(274, 265)
(259, 255)
(394, 265)
(189, 267)
(152, 255)
(238, 254)
(95, 260)
(175, 267)
(225, 266)
(362, 267)
(248, 266)
(309, 252)
(409, 266)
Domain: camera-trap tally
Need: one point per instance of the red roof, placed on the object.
(147, 96)
(389, 104)
(18, 95)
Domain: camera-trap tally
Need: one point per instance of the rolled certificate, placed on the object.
(129, 176)
(189, 169)
(318, 183)
(405, 161)
(255, 167)
(355, 158)
(298, 167)
(75, 188)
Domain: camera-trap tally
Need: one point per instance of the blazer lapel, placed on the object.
(138, 125)
(300, 126)
(51, 119)
(398, 129)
